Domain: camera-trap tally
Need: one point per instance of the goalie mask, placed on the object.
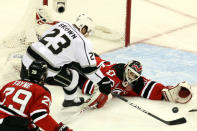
(85, 24)
(37, 72)
(133, 71)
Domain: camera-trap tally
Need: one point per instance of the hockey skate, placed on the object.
(75, 102)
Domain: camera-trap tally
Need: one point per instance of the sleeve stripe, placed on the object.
(39, 118)
(37, 111)
(88, 87)
(84, 87)
(147, 88)
(149, 93)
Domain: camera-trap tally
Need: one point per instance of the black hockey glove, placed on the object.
(105, 85)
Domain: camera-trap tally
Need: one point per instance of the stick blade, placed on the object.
(193, 110)
(177, 121)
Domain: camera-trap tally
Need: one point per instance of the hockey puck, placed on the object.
(175, 109)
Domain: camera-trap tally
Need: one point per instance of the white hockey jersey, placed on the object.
(62, 44)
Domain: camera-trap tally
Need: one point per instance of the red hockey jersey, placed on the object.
(143, 87)
(29, 100)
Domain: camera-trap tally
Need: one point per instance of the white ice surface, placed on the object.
(118, 115)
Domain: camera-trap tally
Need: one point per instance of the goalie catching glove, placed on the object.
(100, 95)
(181, 93)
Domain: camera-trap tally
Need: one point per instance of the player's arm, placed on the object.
(40, 116)
(43, 120)
(86, 58)
(153, 90)
(181, 93)
(49, 124)
(87, 61)
(100, 95)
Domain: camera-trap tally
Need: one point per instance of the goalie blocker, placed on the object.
(181, 93)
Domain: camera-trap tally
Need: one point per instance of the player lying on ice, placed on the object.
(128, 81)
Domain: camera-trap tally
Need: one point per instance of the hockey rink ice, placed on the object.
(163, 38)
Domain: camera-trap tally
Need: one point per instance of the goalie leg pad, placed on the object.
(180, 93)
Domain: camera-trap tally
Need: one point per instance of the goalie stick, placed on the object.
(172, 122)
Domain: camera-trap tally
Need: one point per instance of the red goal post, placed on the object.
(112, 20)
(45, 2)
(128, 23)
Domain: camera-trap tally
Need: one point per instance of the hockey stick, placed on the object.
(76, 115)
(192, 110)
(173, 122)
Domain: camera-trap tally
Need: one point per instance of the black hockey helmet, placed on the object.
(133, 71)
(37, 72)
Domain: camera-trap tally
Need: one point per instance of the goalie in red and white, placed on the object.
(128, 81)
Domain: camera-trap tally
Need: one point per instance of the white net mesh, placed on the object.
(108, 16)
(15, 43)
(26, 30)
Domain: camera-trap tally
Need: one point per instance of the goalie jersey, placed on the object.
(142, 87)
(28, 100)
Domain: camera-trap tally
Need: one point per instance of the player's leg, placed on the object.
(69, 80)
(23, 72)
(70, 91)
(25, 63)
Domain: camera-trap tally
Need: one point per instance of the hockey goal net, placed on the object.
(111, 18)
